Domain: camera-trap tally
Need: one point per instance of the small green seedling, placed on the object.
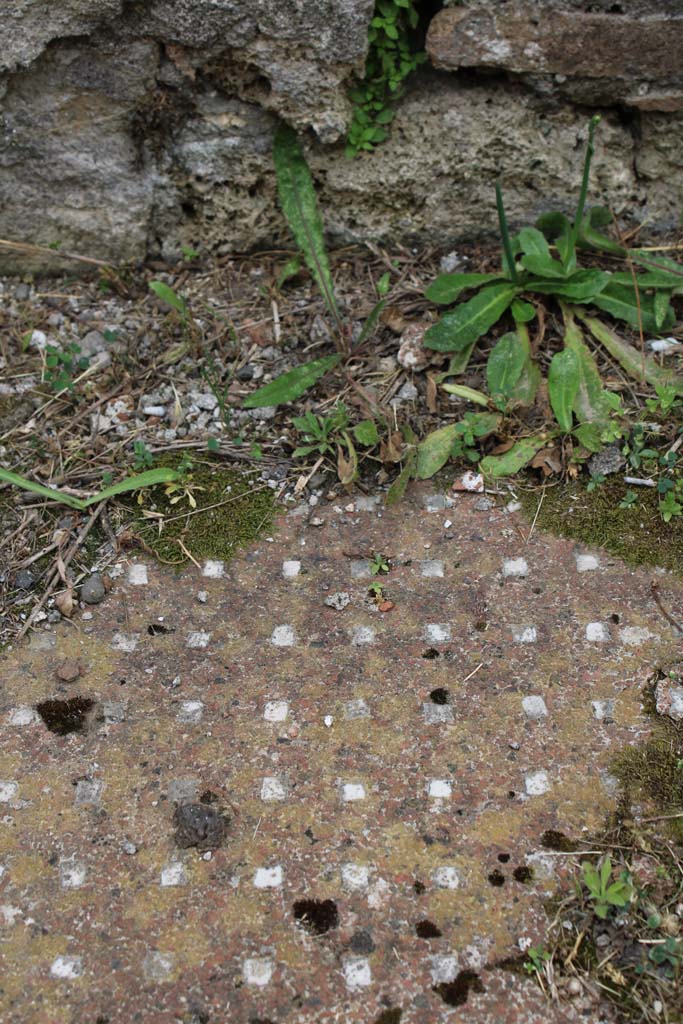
(667, 956)
(61, 365)
(376, 590)
(379, 564)
(537, 956)
(143, 458)
(602, 891)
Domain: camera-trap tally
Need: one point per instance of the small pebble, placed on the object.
(24, 580)
(202, 596)
(93, 591)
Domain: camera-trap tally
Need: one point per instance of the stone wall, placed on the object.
(132, 127)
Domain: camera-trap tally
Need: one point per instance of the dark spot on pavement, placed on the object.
(427, 930)
(419, 887)
(65, 716)
(503, 858)
(362, 942)
(553, 840)
(455, 993)
(523, 874)
(439, 696)
(431, 653)
(392, 1016)
(199, 825)
(317, 916)
(497, 877)
(158, 629)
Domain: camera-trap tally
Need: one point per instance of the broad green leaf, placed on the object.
(661, 308)
(171, 298)
(505, 364)
(621, 302)
(135, 483)
(469, 394)
(290, 269)
(365, 433)
(434, 451)
(660, 279)
(589, 237)
(589, 435)
(447, 287)
(533, 243)
(544, 266)
(481, 424)
(398, 488)
(592, 403)
(513, 460)
(300, 207)
(458, 363)
(468, 321)
(630, 359)
(580, 287)
(290, 385)
(655, 262)
(371, 321)
(558, 227)
(563, 385)
(522, 312)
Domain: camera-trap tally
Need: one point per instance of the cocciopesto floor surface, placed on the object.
(261, 799)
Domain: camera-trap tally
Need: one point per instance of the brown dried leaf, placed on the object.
(391, 449)
(431, 394)
(64, 603)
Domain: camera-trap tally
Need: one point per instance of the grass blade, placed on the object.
(629, 358)
(135, 483)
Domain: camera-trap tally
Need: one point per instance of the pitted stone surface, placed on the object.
(329, 753)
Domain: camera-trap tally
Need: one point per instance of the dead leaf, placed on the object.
(431, 394)
(501, 448)
(385, 606)
(548, 460)
(393, 318)
(347, 468)
(391, 450)
(64, 603)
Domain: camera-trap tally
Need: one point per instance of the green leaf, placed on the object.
(592, 403)
(398, 488)
(135, 483)
(505, 364)
(469, 394)
(447, 287)
(300, 207)
(522, 312)
(563, 385)
(621, 302)
(290, 385)
(661, 308)
(290, 269)
(533, 243)
(35, 488)
(659, 279)
(655, 262)
(468, 321)
(630, 359)
(365, 433)
(544, 266)
(582, 286)
(130, 483)
(434, 451)
(371, 321)
(513, 460)
(171, 298)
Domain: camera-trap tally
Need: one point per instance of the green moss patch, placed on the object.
(653, 770)
(637, 535)
(233, 509)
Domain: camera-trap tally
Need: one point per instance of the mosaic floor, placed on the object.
(248, 794)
